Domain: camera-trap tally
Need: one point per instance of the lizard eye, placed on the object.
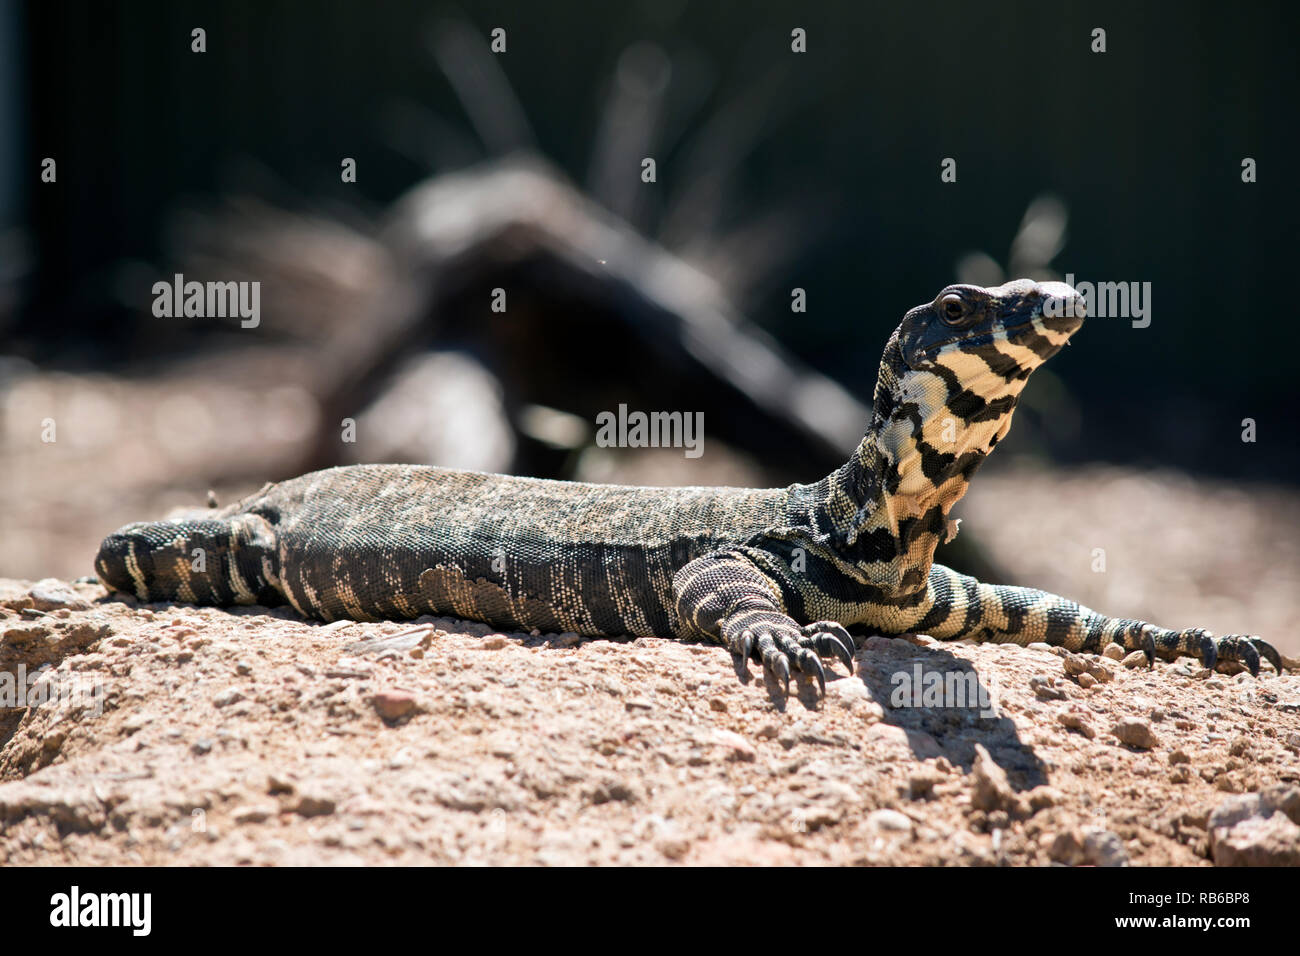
(952, 309)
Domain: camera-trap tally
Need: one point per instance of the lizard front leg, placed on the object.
(727, 598)
(958, 606)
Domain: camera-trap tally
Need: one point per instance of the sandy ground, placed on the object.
(182, 735)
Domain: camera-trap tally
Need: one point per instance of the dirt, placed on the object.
(185, 735)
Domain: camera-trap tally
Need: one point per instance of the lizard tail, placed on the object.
(217, 561)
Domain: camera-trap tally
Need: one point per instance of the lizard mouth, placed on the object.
(1010, 331)
(1016, 334)
(1061, 309)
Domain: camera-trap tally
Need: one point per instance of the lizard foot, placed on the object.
(779, 643)
(1199, 642)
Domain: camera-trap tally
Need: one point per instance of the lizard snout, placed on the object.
(1063, 307)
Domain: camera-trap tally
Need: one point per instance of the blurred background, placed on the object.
(774, 170)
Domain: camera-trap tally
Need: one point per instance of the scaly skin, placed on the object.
(772, 574)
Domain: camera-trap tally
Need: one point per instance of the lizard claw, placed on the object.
(843, 653)
(809, 664)
(1249, 656)
(781, 669)
(746, 647)
(1268, 652)
(829, 639)
(1140, 636)
(1209, 652)
(1149, 647)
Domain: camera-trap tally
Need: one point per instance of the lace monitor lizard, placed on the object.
(772, 574)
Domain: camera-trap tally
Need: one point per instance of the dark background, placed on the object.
(1143, 143)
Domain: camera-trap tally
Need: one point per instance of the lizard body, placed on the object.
(773, 574)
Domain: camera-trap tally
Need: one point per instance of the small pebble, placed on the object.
(1103, 848)
(739, 747)
(920, 784)
(1072, 720)
(51, 593)
(1136, 732)
(1045, 687)
(393, 704)
(314, 805)
(890, 821)
(227, 697)
(254, 813)
(992, 788)
(1074, 665)
(1044, 796)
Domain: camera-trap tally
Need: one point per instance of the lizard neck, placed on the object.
(949, 381)
(887, 507)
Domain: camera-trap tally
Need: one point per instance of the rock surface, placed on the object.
(169, 734)
(1257, 829)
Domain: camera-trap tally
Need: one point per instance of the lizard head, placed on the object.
(1013, 328)
(954, 371)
